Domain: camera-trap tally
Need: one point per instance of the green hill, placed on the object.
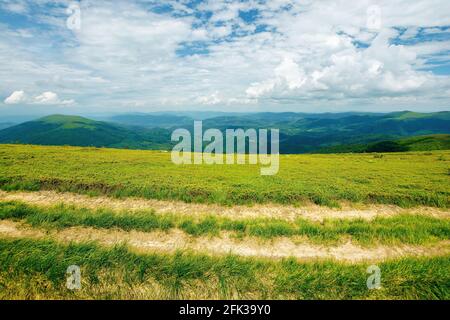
(4, 125)
(79, 131)
(426, 143)
(404, 115)
(306, 133)
(299, 132)
(152, 121)
(416, 143)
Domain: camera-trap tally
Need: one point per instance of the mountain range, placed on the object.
(299, 132)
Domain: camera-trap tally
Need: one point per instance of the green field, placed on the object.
(404, 179)
(401, 229)
(146, 253)
(37, 269)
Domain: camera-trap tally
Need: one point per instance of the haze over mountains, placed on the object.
(299, 132)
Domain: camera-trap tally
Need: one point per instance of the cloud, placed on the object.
(51, 98)
(346, 72)
(46, 98)
(287, 75)
(16, 97)
(290, 55)
(211, 99)
(15, 6)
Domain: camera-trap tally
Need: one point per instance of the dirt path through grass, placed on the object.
(177, 240)
(312, 212)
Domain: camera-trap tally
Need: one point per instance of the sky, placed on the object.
(240, 56)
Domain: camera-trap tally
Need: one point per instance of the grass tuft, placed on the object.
(405, 228)
(36, 269)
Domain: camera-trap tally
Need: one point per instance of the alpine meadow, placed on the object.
(242, 151)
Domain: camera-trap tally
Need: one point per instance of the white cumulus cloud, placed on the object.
(45, 98)
(49, 98)
(297, 55)
(16, 97)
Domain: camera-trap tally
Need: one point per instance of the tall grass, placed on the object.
(31, 269)
(405, 228)
(404, 179)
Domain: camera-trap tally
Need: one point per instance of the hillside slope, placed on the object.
(79, 131)
(152, 121)
(416, 143)
(299, 132)
(306, 133)
(4, 125)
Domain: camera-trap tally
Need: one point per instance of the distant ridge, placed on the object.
(415, 143)
(299, 132)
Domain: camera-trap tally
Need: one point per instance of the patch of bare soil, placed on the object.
(248, 247)
(312, 212)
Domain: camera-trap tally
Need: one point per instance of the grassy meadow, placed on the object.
(39, 241)
(404, 179)
(400, 229)
(37, 269)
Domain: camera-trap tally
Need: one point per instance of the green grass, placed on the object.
(427, 143)
(404, 179)
(67, 216)
(430, 142)
(401, 229)
(36, 269)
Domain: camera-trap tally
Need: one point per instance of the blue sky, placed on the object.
(281, 55)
